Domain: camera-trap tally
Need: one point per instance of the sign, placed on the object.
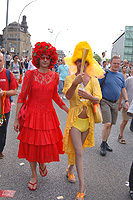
(11, 49)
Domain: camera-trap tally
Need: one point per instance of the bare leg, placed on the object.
(77, 139)
(83, 137)
(122, 127)
(33, 166)
(106, 131)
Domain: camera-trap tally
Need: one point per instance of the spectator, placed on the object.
(124, 69)
(104, 66)
(125, 118)
(125, 64)
(7, 91)
(30, 65)
(131, 181)
(8, 58)
(63, 71)
(3, 51)
(114, 84)
(15, 67)
(21, 65)
(103, 58)
(26, 63)
(131, 125)
(107, 64)
(57, 65)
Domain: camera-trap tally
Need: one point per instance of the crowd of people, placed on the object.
(47, 78)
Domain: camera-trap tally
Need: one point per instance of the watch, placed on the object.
(126, 101)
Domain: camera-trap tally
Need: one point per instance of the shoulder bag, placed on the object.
(23, 110)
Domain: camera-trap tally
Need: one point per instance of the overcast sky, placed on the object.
(97, 22)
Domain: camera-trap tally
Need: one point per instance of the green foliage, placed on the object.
(97, 57)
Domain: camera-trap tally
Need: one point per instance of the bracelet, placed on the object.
(126, 101)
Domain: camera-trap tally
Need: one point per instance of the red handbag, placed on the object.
(22, 115)
(23, 110)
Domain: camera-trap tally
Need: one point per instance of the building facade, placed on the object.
(61, 54)
(23, 47)
(123, 45)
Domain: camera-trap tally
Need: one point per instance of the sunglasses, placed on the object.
(45, 57)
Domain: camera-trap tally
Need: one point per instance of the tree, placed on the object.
(97, 57)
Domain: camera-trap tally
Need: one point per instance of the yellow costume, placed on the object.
(76, 107)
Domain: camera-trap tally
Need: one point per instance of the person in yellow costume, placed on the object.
(79, 130)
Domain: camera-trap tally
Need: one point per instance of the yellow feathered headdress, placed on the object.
(93, 69)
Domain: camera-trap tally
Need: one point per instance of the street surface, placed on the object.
(105, 177)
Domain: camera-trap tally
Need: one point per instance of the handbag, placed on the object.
(22, 115)
(96, 110)
(23, 109)
(130, 110)
(20, 79)
(97, 113)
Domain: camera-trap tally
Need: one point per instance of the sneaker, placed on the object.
(108, 148)
(1, 155)
(103, 149)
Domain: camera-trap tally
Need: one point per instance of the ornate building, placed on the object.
(24, 44)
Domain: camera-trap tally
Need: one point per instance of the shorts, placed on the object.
(109, 111)
(82, 124)
(124, 114)
(17, 75)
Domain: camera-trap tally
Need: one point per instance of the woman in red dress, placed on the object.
(40, 137)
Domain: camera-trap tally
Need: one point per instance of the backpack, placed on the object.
(103, 82)
(8, 75)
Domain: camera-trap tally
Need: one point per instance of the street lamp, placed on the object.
(6, 28)
(18, 23)
(57, 36)
(51, 32)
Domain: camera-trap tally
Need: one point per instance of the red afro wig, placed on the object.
(43, 48)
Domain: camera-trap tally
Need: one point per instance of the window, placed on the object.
(129, 43)
(11, 35)
(15, 45)
(10, 44)
(15, 35)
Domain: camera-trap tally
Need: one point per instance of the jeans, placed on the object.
(3, 132)
(131, 178)
(131, 125)
(61, 85)
(11, 99)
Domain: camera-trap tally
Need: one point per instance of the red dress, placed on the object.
(41, 136)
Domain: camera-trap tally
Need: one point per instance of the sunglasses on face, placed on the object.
(45, 57)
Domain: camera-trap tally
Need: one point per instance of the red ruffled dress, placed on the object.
(41, 137)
